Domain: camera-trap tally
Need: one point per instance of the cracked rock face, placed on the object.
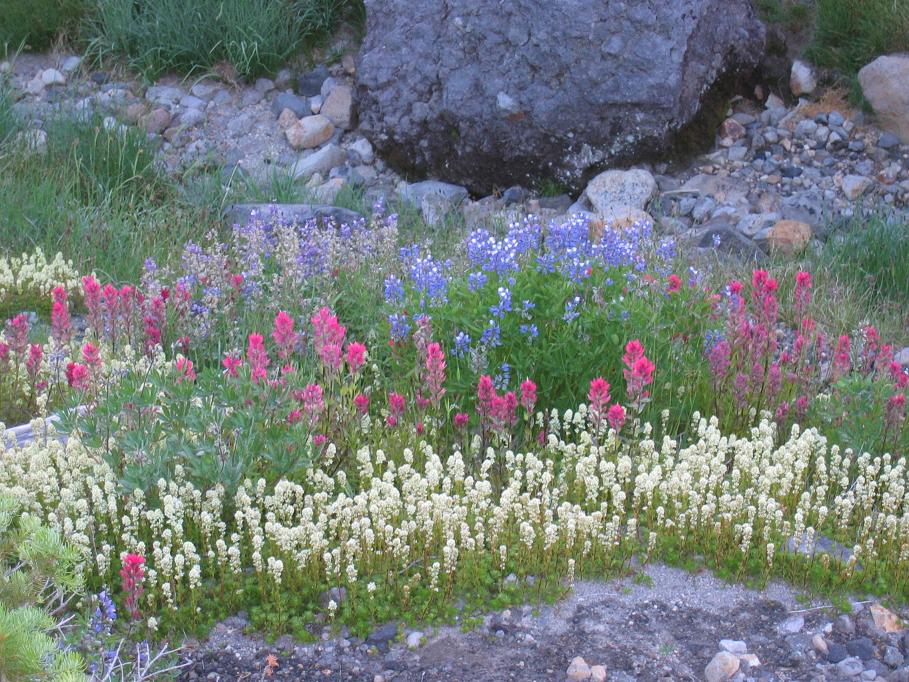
(489, 93)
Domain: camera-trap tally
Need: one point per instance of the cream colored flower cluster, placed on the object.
(33, 274)
(424, 518)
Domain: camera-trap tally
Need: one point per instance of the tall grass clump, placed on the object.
(97, 195)
(850, 33)
(35, 24)
(107, 164)
(873, 255)
(9, 122)
(254, 36)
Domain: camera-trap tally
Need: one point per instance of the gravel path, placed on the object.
(667, 628)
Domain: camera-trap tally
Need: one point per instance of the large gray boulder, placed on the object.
(492, 93)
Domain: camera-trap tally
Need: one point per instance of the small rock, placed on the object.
(791, 171)
(287, 119)
(722, 667)
(383, 634)
(854, 186)
(70, 64)
(578, 670)
(805, 128)
(507, 104)
(264, 85)
(888, 141)
(802, 80)
(820, 644)
(156, 121)
(792, 624)
(204, 89)
(363, 149)
(850, 667)
(191, 117)
(192, 102)
(35, 86)
(893, 657)
(861, 647)
(52, 77)
(336, 594)
(288, 100)
(774, 103)
(310, 83)
(135, 111)
(733, 646)
(338, 106)
(732, 129)
(322, 161)
(614, 188)
(836, 652)
(884, 618)
(414, 639)
(751, 659)
(309, 132)
(844, 625)
(788, 237)
(349, 64)
(598, 673)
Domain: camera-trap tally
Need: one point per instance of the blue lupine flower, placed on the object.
(571, 312)
(461, 345)
(476, 280)
(492, 335)
(400, 327)
(504, 305)
(503, 378)
(394, 290)
(530, 330)
(426, 274)
(105, 613)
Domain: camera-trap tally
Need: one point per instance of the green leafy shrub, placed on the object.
(851, 33)
(37, 23)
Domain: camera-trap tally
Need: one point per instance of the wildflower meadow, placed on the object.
(317, 423)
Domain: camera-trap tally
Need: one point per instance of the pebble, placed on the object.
(733, 646)
(578, 670)
(850, 667)
(414, 639)
(792, 625)
(722, 667)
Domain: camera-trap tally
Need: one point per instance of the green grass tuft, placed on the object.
(851, 33)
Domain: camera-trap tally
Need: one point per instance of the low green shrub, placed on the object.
(851, 33)
(37, 23)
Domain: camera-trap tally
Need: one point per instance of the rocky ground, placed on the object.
(670, 626)
(777, 175)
